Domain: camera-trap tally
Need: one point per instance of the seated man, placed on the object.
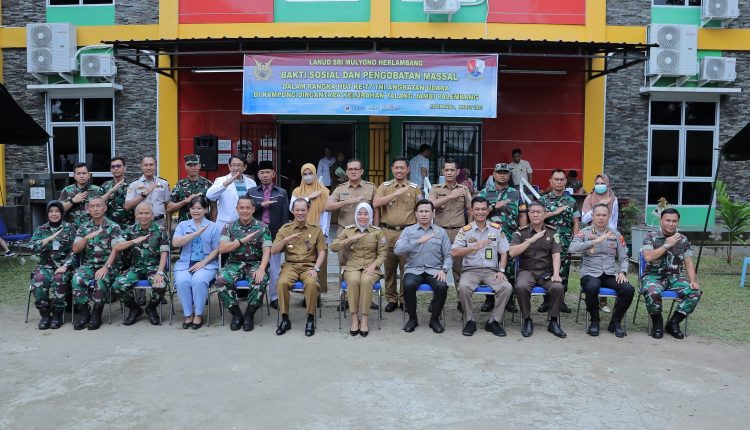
(304, 251)
(538, 249)
(94, 241)
(428, 261)
(669, 266)
(484, 249)
(248, 243)
(150, 253)
(604, 263)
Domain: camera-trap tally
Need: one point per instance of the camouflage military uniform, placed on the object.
(184, 189)
(93, 257)
(116, 205)
(78, 213)
(564, 225)
(667, 273)
(243, 262)
(44, 280)
(507, 215)
(146, 256)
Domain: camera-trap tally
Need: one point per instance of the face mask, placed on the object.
(308, 179)
(600, 188)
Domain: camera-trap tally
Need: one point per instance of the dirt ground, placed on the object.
(165, 377)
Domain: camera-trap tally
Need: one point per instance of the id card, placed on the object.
(488, 253)
(55, 245)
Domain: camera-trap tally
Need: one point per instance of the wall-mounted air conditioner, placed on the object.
(441, 6)
(97, 65)
(721, 11)
(677, 54)
(718, 69)
(50, 48)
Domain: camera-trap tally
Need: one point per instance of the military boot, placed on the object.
(96, 317)
(152, 313)
(593, 326)
(237, 319)
(673, 325)
(615, 326)
(134, 311)
(44, 322)
(657, 325)
(249, 323)
(83, 317)
(57, 318)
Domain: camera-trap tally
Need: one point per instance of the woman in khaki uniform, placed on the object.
(364, 246)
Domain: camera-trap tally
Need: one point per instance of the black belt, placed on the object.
(395, 227)
(158, 217)
(453, 228)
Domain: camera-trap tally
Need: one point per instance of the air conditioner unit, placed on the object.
(718, 69)
(677, 54)
(97, 65)
(50, 48)
(724, 11)
(442, 6)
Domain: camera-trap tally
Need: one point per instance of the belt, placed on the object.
(158, 217)
(453, 228)
(394, 227)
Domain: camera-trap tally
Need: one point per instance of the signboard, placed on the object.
(371, 83)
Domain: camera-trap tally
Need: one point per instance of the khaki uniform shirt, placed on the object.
(538, 256)
(452, 214)
(304, 249)
(364, 192)
(486, 258)
(158, 198)
(399, 212)
(368, 250)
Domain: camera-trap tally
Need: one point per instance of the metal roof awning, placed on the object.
(146, 53)
(18, 127)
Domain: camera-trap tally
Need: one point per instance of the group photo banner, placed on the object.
(370, 83)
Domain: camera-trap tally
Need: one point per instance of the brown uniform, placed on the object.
(300, 256)
(534, 265)
(362, 253)
(364, 192)
(452, 217)
(394, 216)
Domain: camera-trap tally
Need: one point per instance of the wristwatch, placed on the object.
(108, 266)
(501, 270)
(317, 269)
(160, 273)
(144, 195)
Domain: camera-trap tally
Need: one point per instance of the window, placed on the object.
(677, 2)
(77, 2)
(683, 138)
(459, 141)
(82, 131)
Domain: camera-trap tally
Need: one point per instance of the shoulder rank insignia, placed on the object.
(550, 227)
(495, 225)
(524, 227)
(413, 185)
(351, 225)
(467, 227)
(387, 183)
(556, 237)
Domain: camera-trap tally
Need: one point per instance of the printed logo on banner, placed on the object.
(475, 67)
(262, 71)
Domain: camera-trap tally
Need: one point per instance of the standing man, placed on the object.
(150, 188)
(252, 165)
(115, 191)
(226, 190)
(76, 197)
(521, 169)
(427, 250)
(94, 241)
(563, 215)
(271, 203)
(185, 189)
(669, 266)
(324, 166)
(538, 249)
(396, 200)
(484, 249)
(419, 166)
(304, 247)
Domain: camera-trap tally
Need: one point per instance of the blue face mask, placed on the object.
(600, 188)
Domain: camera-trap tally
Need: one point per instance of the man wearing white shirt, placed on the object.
(324, 165)
(226, 190)
(419, 166)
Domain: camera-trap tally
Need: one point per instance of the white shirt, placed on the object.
(159, 197)
(415, 169)
(324, 169)
(520, 171)
(226, 198)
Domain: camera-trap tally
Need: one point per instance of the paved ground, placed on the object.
(166, 377)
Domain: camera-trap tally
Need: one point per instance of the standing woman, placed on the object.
(365, 244)
(316, 193)
(199, 239)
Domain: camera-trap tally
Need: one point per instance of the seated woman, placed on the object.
(365, 246)
(53, 243)
(199, 239)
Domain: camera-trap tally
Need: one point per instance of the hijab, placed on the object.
(316, 205)
(55, 204)
(366, 206)
(594, 199)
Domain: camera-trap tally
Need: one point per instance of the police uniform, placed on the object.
(78, 213)
(366, 251)
(481, 267)
(451, 216)
(158, 197)
(394, 216)
(534, 265)
(300, 256)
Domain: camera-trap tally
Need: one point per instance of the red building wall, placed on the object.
(538, 11)
(225, 11)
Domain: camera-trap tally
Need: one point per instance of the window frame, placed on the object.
(684, 4)
(80, 3)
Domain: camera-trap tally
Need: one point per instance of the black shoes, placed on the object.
(554, 328)
(657, 326)
(196, 325)
(615, 326)
(134, 311)
(494, 328)
(237, 318)
(564, 308)
(489, 304)
(391, 307)
(152, 314)
(275, 304)
(593, 327)
(44, 323)
(249, 323)
(310, 326)
(410, 325)
(528, 328)
(469, 328)
(186, 325)
(96, 317)
(284, 326)
(83, 317)
(429, 307)
(544, 307)
(374, 306)
(436, 326)
(673, 325)
(57, 318)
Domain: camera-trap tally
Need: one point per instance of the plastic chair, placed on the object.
(422, 288)
(482, 290)
(299, 288)
(241, 284)
(603, 292)
(91, 285)
(665, 295)
(745, 263)
(376, 288)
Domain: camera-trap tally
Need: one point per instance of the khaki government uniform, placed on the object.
(394, 216)
(364, 191)
(452, 217)
(364, 252)
(300, 256)
(534, 265)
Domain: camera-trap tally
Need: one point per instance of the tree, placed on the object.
(736, 217)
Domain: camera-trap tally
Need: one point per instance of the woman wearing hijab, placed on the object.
(365, 246)
(53, 243)
(316, 193)
(464, 178)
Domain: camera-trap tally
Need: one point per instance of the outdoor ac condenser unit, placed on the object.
(719, 10)
(50, 48)
(718, 69)
(677, 54)
(441, 6)
(97, 65)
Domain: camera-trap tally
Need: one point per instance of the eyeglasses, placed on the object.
(236, 165)
(116, 166)
(353, 169)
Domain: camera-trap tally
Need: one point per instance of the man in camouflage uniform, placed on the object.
(94, 241)
(75, 197)
(563, 215)
(115, 191)
(669, 266)
(53, 243)
(150, 252)
(248, 243)
(193, 186)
